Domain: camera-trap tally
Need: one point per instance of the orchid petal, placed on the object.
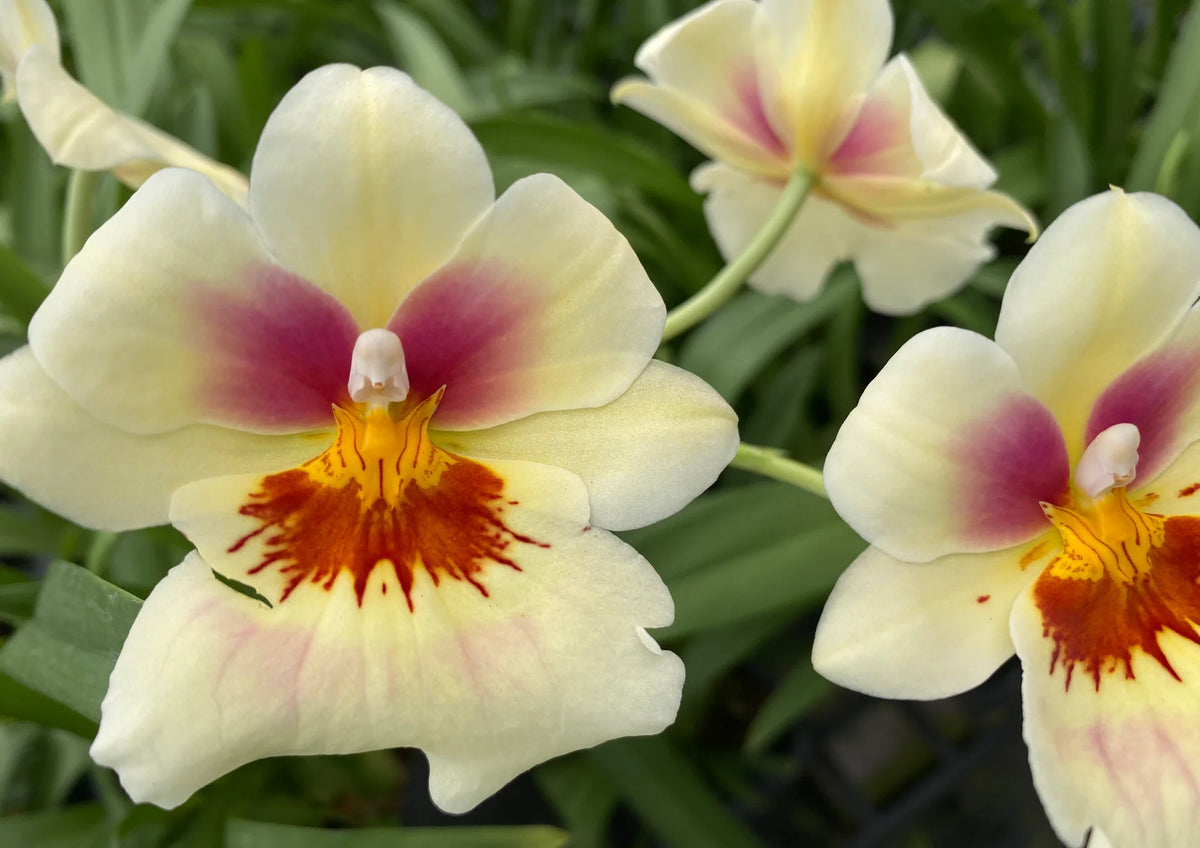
(23, 24)
(1120, 752)
(1081, 297)
(946, 453)
(151, 334)
(552, 658)
(906, 267)
(392, 179)
(79, 130)
(885, 615)
(704, 86)
(1160, 395)
(669, 421)
(827, 53)
(901, 132)
(543, 306)
(738, 205)
(99, 476)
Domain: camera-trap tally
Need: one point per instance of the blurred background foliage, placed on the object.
(1065, 96)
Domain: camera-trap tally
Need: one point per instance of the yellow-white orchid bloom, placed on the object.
(768, 88)
(398, 408)
(77, 129)
(1039, 493)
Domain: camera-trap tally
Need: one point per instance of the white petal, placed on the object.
(543, 306)
(945, 452)
(96, 475)
(80, 131)
(1121, 753)
(1106, 284)
(552, 659)
(826, 54)
(901, 132)
(174, 313)
(364, 184)
(738, 205)
(905, 267)
(704, 85)
(24, 23)
(896, 629)
(642, 457)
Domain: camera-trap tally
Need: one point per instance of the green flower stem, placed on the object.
(79, 212)
(772, 463)
(730, 278)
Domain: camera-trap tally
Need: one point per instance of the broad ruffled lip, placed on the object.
(1097, 328)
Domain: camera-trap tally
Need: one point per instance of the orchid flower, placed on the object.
(76, 128)
(399, 410)
(772, 88)
(1038, 494)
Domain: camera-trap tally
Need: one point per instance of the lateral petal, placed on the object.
(150, 333)
(643, 456)
(544, 306)
(100, 476)
(945, 452)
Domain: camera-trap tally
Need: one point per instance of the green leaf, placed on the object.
(21, 290)
(17, 601)
(79, 826)
(425, 57)
(250, 834)
(559, 143)
(669, 796)
(793, 697)
(68, 649)
(720, 525)
(20, 702)
(734, 346)
(582, 796)
(1176, 104)
(146, 67)
(793, 574)
(95, 44)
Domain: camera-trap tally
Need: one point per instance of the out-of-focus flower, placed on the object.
(772, 87)
(401, 411)
(23, 24)
(1040, 493)
(77, 129)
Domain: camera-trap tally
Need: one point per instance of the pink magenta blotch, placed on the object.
(467, 328)
(1012, 459)
(279, 350)
(751, 117)
(1153, 395)
(876, 130)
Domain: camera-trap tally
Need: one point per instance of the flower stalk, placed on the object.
(770, 462)
(78, 212)
(733, 276)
